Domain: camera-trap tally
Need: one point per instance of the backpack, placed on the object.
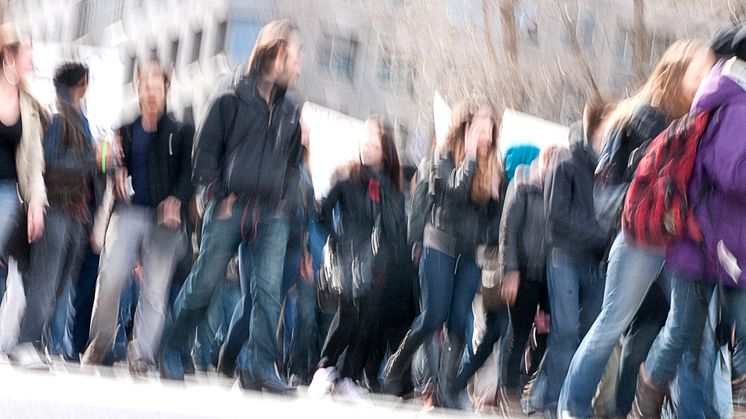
(656, 210)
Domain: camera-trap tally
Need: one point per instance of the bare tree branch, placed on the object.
(570, 26)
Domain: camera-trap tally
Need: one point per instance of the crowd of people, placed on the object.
(607, 275)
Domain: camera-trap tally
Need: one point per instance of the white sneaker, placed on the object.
(26, 356)
(323, 380)
(349, 392)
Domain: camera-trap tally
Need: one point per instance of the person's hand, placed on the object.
(416, 254)
(121, 189)
(137, 273)
(306, 269)
(225, 207)
(471, 141)
(35, 221)
(542, 321)
(509, 290)
(169, 212)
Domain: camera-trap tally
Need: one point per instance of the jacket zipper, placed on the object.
(170, 148)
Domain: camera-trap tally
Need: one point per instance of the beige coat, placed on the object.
(30, 152)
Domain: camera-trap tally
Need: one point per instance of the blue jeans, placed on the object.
(575, 296)
(685, 324)
(267, 259)
(702, 386)
(448, 285)
(220, 239)
(212, 331)
(630, 273)
(9, 207)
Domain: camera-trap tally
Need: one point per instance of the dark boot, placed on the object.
(450, 361)
(226, 364)
(396, 366)
(648, 398)
(265, 379)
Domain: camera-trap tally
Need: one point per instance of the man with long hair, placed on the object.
(246, 164)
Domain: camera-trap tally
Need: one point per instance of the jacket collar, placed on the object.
(247, 90)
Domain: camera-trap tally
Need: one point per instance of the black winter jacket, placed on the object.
(568, 200)
(523, 228)
(224, 129)
(457, 225)
(169, 160)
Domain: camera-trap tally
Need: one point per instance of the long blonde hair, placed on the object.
(663, 89)
(273, 39)
(486, 183)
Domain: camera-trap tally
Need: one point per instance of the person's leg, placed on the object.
(496, 328)
(364, 335)
(466, 283)
(238, 329)
(79, 317)
(436, 284)
(162, 248)
(9, 208)
(565, 273)
(48, 259)
(648, 322)
(301, 345)
(123, 240)
(267, 257)
(522, 315)
(735, 313)
(683, 329)
(220, 239)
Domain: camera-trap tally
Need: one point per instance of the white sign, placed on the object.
(334, 141)
(518, 128)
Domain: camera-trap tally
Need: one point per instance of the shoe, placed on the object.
(137, 365)
(27, 357)
(450, 360)
(738, 387)
(648, 398)
(267, 380)
(226, 366)
(347, 391)
(322, 382)
(171, 365)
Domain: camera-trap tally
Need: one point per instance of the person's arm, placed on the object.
(183, 188)
(210, 146)
(560, 218)
(455, 182)
(511, 227)
(327, 207)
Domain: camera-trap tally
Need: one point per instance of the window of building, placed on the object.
(174, 53)
(196, 46)
(242, 35)
(586, 28)
(337, 55)
(83, 10)
(222, 30)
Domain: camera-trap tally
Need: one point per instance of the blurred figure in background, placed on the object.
(74, 187)
(146, 223)
(369, 234)
(23, 122)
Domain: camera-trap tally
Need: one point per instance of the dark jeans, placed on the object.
(56, 256)
(447, 286)
(576, 291)
(79, 315)
(496, 327)
(531, 292)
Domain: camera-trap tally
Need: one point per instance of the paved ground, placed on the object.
(110, 393)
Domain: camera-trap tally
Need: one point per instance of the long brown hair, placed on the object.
(273, 39)
(486, 183)
(663, 88)
(391, 165)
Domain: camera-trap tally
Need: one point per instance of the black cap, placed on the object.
(730, 41)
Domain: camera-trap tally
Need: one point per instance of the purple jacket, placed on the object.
(717, 190)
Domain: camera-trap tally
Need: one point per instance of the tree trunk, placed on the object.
(640, 66)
